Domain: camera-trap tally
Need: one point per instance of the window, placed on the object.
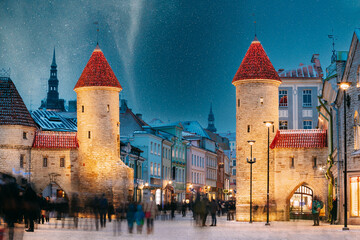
(283, 125)
(283, 98)
(307, 98)
(192, 160)
(22, 161)
(82, 108)
(151, 169)
(108, 108)
(356, 131)
(314, 162)
(89, 134)
(234, 162)
(45, 162)
(24, 135)
(261, 100)
(234, 171)
(159, 170)
(159, 152)
(358, 77)
(355, 196)
(292, 162)
(62, 162)
(151, 147)
(307, 124)
(248, 128)
(197, 161)
(238, 102)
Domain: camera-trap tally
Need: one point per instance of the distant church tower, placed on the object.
(256, 83)
(211, 121)
(52, 102)
(100, 167)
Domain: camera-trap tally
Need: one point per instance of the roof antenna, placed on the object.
(332, 36)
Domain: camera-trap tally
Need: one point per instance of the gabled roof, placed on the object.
(55, 140)
(312, 138)
(12, 108)
(194, 127)
(256, 65)
(97, 72)
(53, 121)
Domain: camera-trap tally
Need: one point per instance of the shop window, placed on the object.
(355, 196)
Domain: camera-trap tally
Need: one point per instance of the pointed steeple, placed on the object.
(256, 65)
(53, 64)
(97, 72)
(211, 121)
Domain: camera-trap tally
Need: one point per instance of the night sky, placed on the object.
(172, 58)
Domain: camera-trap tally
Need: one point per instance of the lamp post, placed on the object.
(268, 125)
(344, 86)
(251, 161)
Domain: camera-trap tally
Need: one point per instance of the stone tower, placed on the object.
(100, 167)
(256, 83)
(211, 121)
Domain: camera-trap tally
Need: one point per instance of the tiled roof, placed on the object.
(256, 65)
(97, 72)
(51, 139)
(312, 138)
(53, 121)
(12, 108)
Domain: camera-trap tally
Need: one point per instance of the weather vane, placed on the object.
(254, 23)
(97, 32)
(332, 36)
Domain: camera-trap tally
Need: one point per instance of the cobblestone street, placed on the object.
(184, 228)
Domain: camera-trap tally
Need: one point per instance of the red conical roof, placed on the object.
(256, 65)
(97, 72)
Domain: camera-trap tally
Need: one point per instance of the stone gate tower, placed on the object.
(100, 167)
(256, 83)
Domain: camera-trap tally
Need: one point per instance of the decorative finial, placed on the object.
(332, 36)
(54, 59)
(97, 32)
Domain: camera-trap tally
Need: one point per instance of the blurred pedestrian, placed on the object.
(118, 218)
(130, 215)
(317, 205)
(95, 209)
(333, 211)
(183, 208)
(139, 218)
(111, 210)
(103, 208)
(213, 209)
(150, 210)
(31, 206)
(75, 208)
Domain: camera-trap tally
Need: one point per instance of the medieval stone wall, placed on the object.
(288, 177)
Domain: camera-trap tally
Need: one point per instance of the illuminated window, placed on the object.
(62, 162)
(151, 169)
(356, 131)
(283, 99)
(283, 125)
(355, 196)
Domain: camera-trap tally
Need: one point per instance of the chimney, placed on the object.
(139, 115)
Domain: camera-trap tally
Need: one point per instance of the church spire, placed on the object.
(211, 121)
(53, 64)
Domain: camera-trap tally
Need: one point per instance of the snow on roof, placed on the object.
(53, 121)
(195, 128)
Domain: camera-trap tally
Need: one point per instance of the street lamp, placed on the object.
(268, 125)
(251, 161)
(344, 86)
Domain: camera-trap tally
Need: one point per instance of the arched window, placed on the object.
(356, 131)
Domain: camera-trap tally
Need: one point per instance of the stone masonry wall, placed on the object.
(258, 103)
